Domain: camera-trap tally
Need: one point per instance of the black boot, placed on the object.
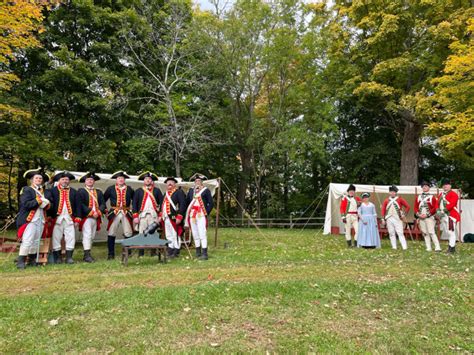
(111, 247)
(170, 253)
(32, 260)
(204, 254)
(451, 250)
(198, 252)
(355, 243)
(88, 257)
(141, 252)
(57, 257)
(69, 259)
(20, 264)
(176, 252)
(349, 243)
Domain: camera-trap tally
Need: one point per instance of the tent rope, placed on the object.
(3, 233)
(243, 209)
(321, 196)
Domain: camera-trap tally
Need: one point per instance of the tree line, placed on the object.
(278, 98)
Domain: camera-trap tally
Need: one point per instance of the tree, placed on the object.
(20, 21)
(454, 103)
(394, 50)
(74, 84)
(160, 46)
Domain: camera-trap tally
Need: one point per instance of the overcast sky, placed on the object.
(206, 5)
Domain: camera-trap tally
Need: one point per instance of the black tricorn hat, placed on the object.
(351, 188)
(446, 181)
(61, 174)
(39, 171)
(142, 176)
(171, 178)
(425, 183)
(393, 188)
(87, 175)
(119, 174)
(198, 176)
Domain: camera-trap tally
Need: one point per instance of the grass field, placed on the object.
(280, 291)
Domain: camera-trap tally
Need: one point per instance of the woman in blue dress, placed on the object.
(368, 232)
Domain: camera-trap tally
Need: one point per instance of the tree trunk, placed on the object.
(285, 187)
(10, 200)
(245, 161)
(177, 165)
(410, 154)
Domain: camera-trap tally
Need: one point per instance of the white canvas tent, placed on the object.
(467, 217)
(105, 181)
(333, 223)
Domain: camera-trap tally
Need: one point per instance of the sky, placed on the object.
(206, 5)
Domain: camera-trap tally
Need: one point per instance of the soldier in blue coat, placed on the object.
(146, 204)
(34, 201)
(65, 213)
(91, 209)
(200, 205)
(172, 214)
(120, 196)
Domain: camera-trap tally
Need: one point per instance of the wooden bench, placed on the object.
(141, 241)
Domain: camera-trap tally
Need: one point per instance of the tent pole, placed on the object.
(439, 222)
(217, 210)
(460, 211)
(415, 220)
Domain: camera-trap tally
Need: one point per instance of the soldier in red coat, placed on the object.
(394, 210)
(348, 209)
(425, 210)
(448, 213)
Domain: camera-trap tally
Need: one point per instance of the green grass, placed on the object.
(276, 291)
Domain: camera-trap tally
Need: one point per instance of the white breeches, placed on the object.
(427, 227)
(66, 229)
(145, 221)
(89, 230)
(199, 231)
(395, 227)
(31, 238)
(352, 221)
(126, 226)
(451, 233)
(172, 235)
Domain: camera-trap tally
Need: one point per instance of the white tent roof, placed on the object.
(378, 194)
(105, 181)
